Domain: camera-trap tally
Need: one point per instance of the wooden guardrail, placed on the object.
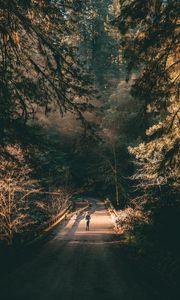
(46, 227)
(56, 220)
(79, 211)
(63, 215)
(113, 213)
(110, 207)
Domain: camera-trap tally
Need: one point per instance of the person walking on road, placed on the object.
(87, 218)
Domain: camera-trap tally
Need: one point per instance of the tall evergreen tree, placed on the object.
(150, 38)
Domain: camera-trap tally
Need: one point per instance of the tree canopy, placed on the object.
(150, 37)
(38, 62)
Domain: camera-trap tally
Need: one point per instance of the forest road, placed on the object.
(75, 264)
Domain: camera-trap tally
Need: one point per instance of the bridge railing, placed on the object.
(63, 215)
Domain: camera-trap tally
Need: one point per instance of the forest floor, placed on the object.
(72, 263)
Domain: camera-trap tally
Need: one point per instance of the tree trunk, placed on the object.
(116, 176)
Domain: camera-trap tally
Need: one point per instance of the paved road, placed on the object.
(74, 264)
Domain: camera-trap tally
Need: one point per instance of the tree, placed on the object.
(120, 113)
(38, 65)
(49, 154)
(150, 38)
(56, 202)
(15, 188)
(98, 47)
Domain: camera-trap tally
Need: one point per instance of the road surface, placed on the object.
(74, 264)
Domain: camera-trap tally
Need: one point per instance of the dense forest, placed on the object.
(89, 105)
